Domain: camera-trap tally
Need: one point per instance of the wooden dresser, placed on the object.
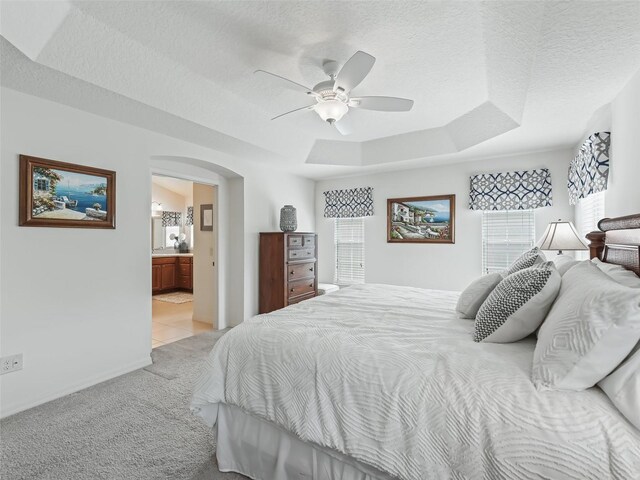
(170, 273)
(288, 269)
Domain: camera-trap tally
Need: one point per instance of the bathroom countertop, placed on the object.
(156, 255)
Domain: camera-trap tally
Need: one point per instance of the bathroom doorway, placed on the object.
(183, 223)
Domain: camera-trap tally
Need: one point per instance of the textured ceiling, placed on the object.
(487, 77)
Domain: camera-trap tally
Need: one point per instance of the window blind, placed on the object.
(589, 211)
(505, 236)
(349, 253)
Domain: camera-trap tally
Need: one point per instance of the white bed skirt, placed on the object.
(262, 451)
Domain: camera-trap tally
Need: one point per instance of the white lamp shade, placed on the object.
(561, 236)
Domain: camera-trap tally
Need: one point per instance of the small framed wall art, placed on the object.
(206, 217)
(59, 194)
(421, 219)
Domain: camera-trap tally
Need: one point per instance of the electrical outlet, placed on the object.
(10, 363)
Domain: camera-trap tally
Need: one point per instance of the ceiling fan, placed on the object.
(333, 98)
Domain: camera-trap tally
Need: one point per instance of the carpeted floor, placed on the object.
(134, 427)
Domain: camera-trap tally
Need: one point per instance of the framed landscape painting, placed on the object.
(421, 219)
(59, 194)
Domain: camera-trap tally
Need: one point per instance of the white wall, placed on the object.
(440, 266)
(264, 197)
(77, 302)
(623, 192)
(622, 118)
(171, 201)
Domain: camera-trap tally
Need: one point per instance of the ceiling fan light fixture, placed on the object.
(331, 110)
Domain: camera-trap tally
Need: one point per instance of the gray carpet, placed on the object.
(137, 426)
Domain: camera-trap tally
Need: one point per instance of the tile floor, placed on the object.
(172, 321)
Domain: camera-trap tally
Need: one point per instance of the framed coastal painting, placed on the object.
(421, 219)
(59, 194)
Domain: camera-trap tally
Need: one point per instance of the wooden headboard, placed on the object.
(617, 241)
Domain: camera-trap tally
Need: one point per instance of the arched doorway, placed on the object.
(218, 269)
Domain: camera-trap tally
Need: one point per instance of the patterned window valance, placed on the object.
(520, 190)
(189, 221)
(356, 202)
(589, 170)
(171, 219)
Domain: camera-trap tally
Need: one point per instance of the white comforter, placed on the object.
(389, 376)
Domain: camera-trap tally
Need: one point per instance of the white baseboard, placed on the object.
(86, 383)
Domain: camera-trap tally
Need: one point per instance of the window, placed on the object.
(41, 184)
(589, 211)
(505, 236)
(168, 231)
(349, 242)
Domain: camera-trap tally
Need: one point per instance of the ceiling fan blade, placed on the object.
(353, 72)
(344, 125)
(285, 82)
(382, 104)
(308, 107)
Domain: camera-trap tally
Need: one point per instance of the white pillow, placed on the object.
(623, 387)
(592, 326)
(565, 267)
(563, 263)
(618, 273)
(526, 260)
(476, 293)
(518, 305)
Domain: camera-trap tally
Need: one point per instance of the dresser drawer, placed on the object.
(301, 287)
(293, 301)
(303, 270)
(309, 241)
(184, 269)
(294, 240)
(301, 253)
(185, 260)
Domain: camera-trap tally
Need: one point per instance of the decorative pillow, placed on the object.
(618, 273)
(592, 326)
(476, 293)
(518, 305)
(526, 260)
(622, 386)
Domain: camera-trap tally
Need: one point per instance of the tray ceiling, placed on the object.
(487, 77)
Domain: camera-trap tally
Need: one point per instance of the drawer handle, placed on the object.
(293, 290)
(292, 272)
(311, 285)
(311, 269)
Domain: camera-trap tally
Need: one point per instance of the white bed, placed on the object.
(377, 381)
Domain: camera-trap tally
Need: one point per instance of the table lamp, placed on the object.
(561, 236)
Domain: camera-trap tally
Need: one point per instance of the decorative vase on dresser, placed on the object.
(288, 219)
(288, 269)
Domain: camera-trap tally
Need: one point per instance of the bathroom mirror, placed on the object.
(161, 236)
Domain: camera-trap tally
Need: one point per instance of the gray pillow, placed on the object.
(563, 263)
(592, 326)
(526, 260)
(476, 293)
(618, 273)
(518, 305)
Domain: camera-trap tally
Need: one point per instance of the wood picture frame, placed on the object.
(206, 217)
(67, 195)
(429, 219)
